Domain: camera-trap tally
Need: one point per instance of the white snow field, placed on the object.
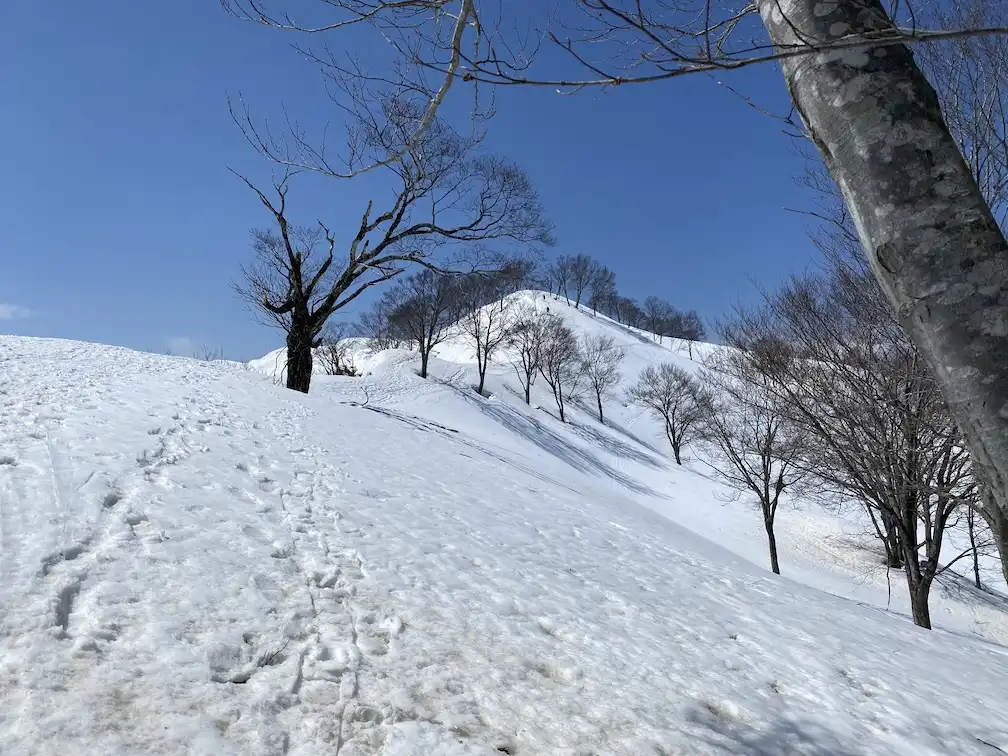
(196, 561)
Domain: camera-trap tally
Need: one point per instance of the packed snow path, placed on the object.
(195, 561)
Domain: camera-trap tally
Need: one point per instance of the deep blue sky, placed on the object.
(120, 223)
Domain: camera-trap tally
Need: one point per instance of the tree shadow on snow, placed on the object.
(549, 441)
(963, 589)
(720, 732)
(428, 426)
(615, 446)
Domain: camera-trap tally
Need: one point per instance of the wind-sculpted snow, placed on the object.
(193, 560)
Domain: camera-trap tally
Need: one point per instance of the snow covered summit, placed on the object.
(193, 560)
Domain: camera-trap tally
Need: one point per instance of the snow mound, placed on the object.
(193, 560)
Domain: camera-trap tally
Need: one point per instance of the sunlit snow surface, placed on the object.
(195, 561)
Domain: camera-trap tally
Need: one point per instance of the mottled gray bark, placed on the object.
(997, 521)
(932, 241)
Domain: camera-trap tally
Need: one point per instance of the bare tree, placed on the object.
(517, 273)
(690, 328)
(446, 192)
(970, 75)
(424, 308)
(937, 249)
(525, 341)
(560, 362)
(657, 315)
(629, 312)
(486, 318)
(334, 351)
(755, 449)
(603, 290)
(877, 428)
(676, 398)
(558, 275)
(600, 361)
(583, 272)
(208, 354)
(374, 326)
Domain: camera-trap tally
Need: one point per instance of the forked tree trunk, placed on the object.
(894, 553)
(930, 237)
(481, 368)
(676, 451)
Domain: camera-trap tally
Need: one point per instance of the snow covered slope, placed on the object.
(630, 455)
(193, 560)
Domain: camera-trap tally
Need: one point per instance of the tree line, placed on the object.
(581, 278)
(817, 391)
(423, 310)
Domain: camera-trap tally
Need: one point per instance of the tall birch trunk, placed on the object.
(930, 237)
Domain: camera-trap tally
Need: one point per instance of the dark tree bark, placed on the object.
(971, 525)
(299, 354)
(919, 590)
(675, 440)
(931, 239)
(894, 553)
(772, 543)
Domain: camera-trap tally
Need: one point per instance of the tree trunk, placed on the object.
(919, 590)
(894, 553)
(424, 358)
(970, 523)
(299, 358)
(482, 379)
(772, 541)
(931, 239)
(997, 521)
(528, 394)
(598, 396)
(675, 452)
